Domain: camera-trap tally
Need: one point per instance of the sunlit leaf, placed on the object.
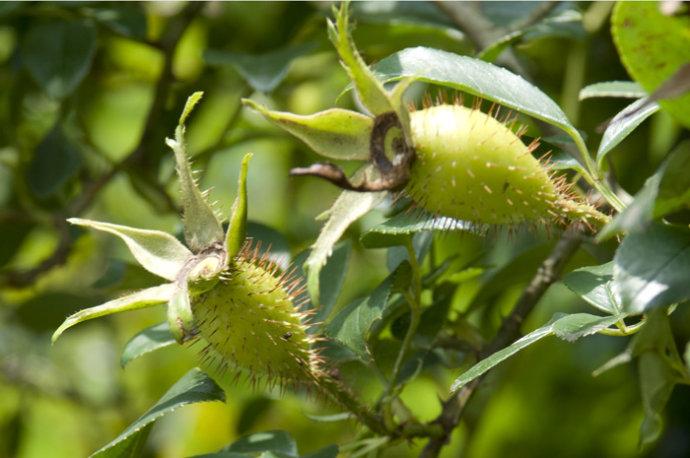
(158, 252)
(620, 89)
(237, 228)
(395, 230)
(568, 327)
(140, 299)
(334, 133)
(369, 90)
(150, 339)
(201, 226)
(476, 77)
(594, 284)
(347, 208)
(194, 387)
(652, 268)
(623, 124)
(653, 47)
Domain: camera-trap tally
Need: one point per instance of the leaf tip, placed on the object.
(192, 100)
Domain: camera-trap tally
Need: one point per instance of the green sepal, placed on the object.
(158, 252)
(180, 316)
(139, 300)
(368, 88)
(237, 228)
(201, 226)
(334, 133)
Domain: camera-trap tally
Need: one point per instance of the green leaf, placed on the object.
(237, 229)
(267, 441)
(127, 18)
(352, 326)
(369, 90)
(623, 124)
(158, 252)
(652, 268)
(334, 133)
(58, 54)
(652, 47)
(331, 279)
(140, 299)
(568, 327)
(330, 451)
(201, 226)
(150, 339)
(594, 284)
(55, 160)
(180, 316)
(620, 89)
(667, 191)
(263, 72)
(193, 387)
(660, 368)
(475, 77)
(396, 230)
(347, 208)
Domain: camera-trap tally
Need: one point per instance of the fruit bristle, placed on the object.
(252, 322)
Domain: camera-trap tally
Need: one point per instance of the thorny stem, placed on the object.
(167, 44)
(547, 274)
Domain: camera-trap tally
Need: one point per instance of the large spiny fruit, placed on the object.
(250, 319)
(470, 166)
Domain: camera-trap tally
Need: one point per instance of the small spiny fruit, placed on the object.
(470, 166)
(250, 320)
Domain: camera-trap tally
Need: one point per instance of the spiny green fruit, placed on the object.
(250, 318)
(472, 167)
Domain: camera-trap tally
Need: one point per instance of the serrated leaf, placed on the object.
(201, 226)
(653, 47)
(369, 90)
(594, 284)
(237, 228)
(263, 72)
(58, 54)
(158, 252)
(150, 339)
(619, 89)
(623, 124)
(193, 387)
(349, 207)
(352, 326)
(652, 268)
(140, 299)
(475, 77)
(334, 133)
(396, 230)
(55, 160)
(568, 327)
(266, 441)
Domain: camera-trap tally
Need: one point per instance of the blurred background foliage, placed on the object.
(88, 92)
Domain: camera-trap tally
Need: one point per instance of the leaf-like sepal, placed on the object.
(140, 299)
(201, 226)
(334, 133)
(369, 89)
(237, 229)
(180, 316)
(158, 252)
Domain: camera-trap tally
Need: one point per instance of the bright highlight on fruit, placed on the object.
(223, 295)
